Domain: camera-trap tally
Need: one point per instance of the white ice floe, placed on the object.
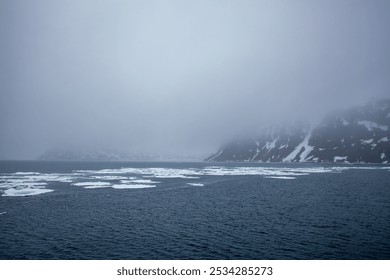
(111, 178)
(24, 191)
(144, 181)
(36, 177)
(95, 184)
(2, 213)
(384, 139)
(172, 173)
(132, 186)
(146, 172)
(193, 173)
(137, 178)
(264, 171)
(196, 184)
(27, 173)
(21, 184)
(281, 177)
(345, 122)
(139, 181)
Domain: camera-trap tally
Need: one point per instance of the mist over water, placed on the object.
(180, 77)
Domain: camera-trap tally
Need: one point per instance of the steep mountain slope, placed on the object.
(360, 134)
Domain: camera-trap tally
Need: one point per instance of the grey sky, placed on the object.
(180, 76)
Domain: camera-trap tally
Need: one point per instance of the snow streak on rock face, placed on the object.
(359, 134)
(23, 184)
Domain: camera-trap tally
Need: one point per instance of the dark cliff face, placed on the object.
(360, 134)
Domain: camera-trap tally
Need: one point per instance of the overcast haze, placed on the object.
(180, 76)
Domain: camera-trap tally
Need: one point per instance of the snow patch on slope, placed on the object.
(304, 154)
(270, 145)
(367, 141)
(371, 125)
(338, 158)
(257, 153)
(217, 155)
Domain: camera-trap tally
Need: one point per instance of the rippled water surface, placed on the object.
(65, 210)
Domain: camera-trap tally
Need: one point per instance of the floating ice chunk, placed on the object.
(2, 213)
(110, 178)
(27, 173)
(281, 177)
(383, 155)
(25, 191)
(97, 186)
(132, 186)
(83, 184)
(33, 184)
(384, 139)
(21, 184)
(139, 181)
(144, 181)
(196, 184)
(345, 122)
(265, 171)
(65, 180)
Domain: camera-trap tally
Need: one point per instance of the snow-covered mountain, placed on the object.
(360, 134)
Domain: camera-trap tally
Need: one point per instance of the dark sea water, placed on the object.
(193, 211)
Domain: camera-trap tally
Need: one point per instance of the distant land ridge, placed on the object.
(356, 135)
(74, 154)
